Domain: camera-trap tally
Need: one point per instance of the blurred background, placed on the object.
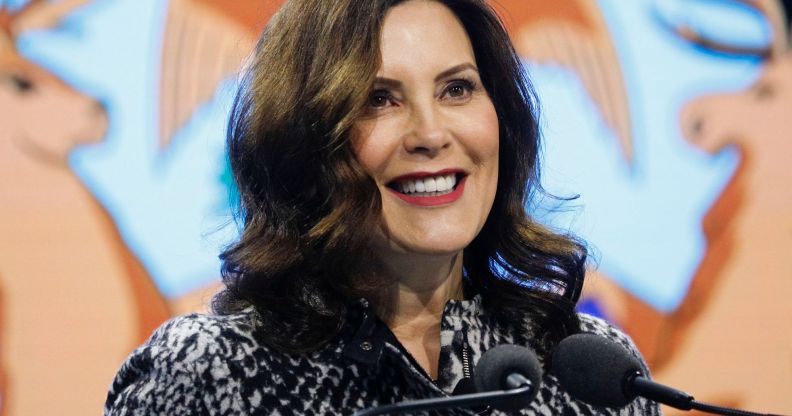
(669, 119)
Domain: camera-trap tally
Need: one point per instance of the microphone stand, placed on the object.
(490, 398)
(638, 385)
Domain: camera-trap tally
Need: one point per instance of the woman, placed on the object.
(384, 152)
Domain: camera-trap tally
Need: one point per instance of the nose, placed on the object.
(693, 119)
(100, 106)
(693, 126)
(427, 134)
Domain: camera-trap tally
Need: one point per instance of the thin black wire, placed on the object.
(704, 407)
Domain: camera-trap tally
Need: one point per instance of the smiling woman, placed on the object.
(384, 152)
(429, 140)
(430, 136)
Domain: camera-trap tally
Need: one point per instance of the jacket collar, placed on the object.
(367, 343)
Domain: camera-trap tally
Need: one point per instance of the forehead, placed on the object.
(423, 34)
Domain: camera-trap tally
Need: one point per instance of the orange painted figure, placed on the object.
(729, 340)
(746, 318)
(74, 298)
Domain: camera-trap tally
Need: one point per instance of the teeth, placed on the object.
(440, 182)
(430, 185)
(434, 185)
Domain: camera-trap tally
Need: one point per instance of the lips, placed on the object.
(429, 188)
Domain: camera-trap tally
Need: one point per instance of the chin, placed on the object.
(436, 251)
(436, 245)
(431, 235)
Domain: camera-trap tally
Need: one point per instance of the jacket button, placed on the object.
(366, 346)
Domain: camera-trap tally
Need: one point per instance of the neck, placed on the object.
(421, 286)
(412, 306)
(20, 157)
(28, 177)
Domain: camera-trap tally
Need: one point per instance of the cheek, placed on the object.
(487, 145)
(373, 146)
(483, 136)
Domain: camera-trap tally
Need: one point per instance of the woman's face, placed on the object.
(430, 136)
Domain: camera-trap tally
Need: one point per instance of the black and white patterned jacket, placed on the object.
(215, 365)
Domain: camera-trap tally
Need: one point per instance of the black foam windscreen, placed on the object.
(498, 363)
(594, 369)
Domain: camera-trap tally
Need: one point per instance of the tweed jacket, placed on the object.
(216, 365)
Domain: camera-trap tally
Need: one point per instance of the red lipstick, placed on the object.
(420, 175)
(428, 201)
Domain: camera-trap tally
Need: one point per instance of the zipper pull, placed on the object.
(465, 385)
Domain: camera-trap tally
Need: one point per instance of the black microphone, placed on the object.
(507, 377)
(508, 367)
(601, 372)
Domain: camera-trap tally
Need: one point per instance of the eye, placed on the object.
(459, 89)
(380, 99)
(21, 84)
(763, 91)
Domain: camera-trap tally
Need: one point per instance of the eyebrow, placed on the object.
(455, 69)
(389, 82)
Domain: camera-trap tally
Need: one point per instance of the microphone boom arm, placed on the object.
(522, 391)
(638, 385)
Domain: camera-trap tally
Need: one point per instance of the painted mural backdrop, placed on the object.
(667, 117)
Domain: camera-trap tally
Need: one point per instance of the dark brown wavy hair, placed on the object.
(306, 205)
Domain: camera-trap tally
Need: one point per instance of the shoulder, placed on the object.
(178, 361)
(598, 326)
(193, 336)
(189, 340)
